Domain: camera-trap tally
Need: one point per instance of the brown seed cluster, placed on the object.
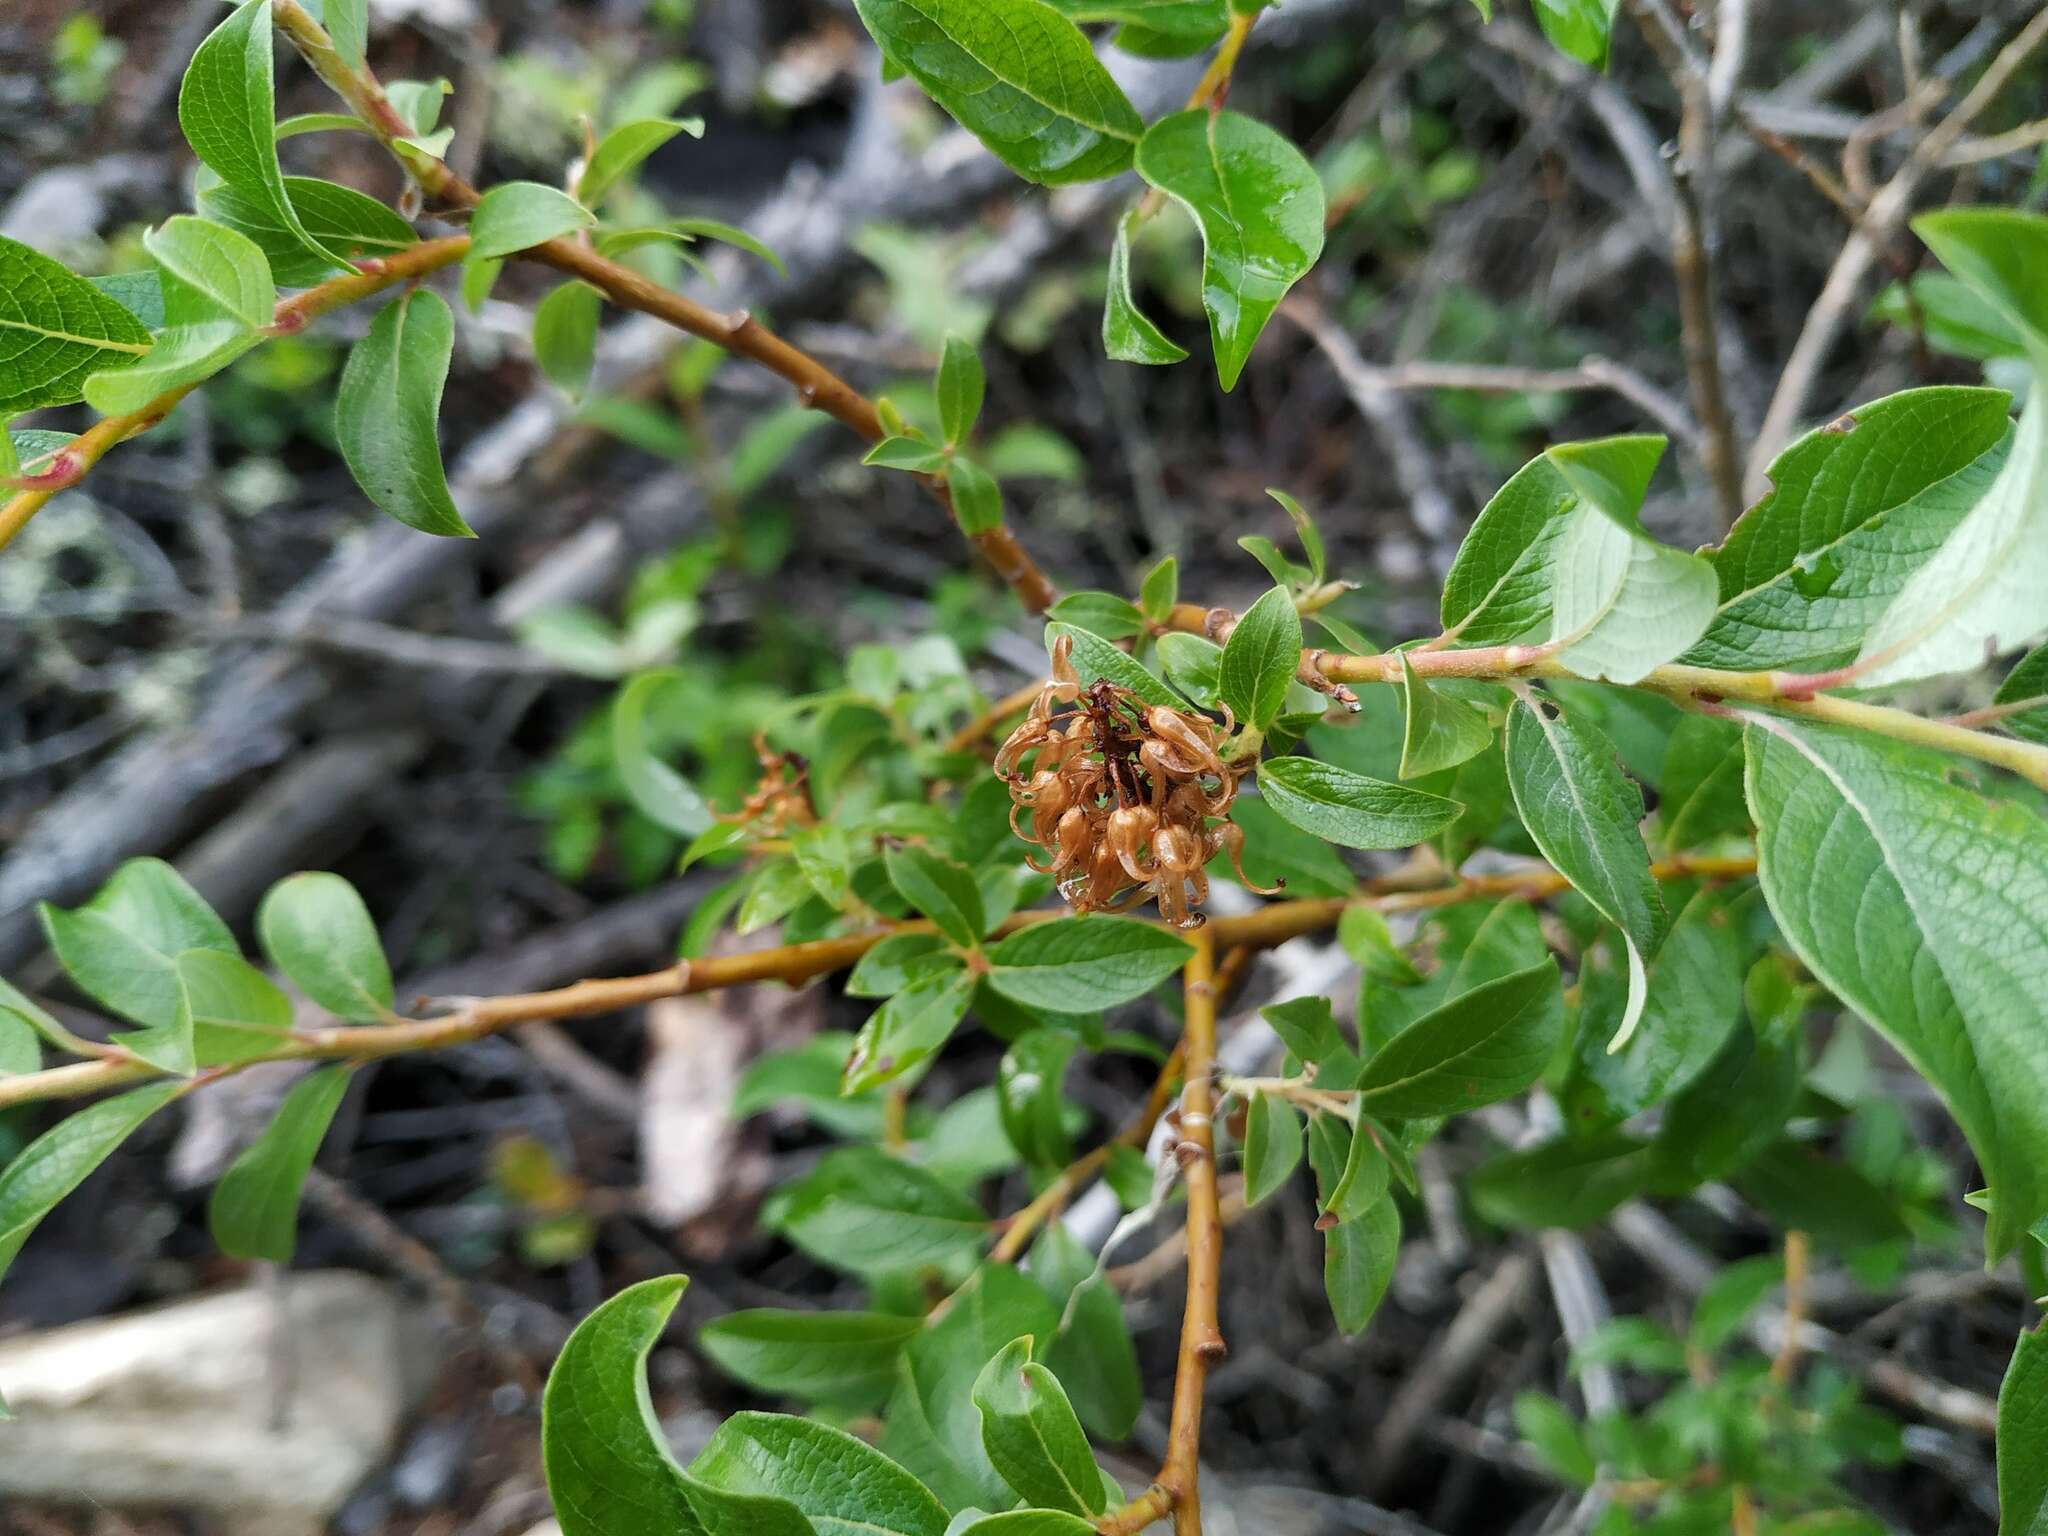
(781, 801)
(1122, 795)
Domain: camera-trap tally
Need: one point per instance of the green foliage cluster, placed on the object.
(1903, 544)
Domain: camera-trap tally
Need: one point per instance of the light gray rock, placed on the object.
(176, 1406)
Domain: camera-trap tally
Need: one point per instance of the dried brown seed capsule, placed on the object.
(1120, 794)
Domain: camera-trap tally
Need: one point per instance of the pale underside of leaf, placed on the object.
(1924, 907)
(1986, 589)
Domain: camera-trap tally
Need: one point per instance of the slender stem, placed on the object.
(977, 730)
(1789, 693)
(1020, 1228)
(70, 464)
(816, 385)
(1201, 1336)
(1692, 244)
(794, 963)
(1797, 1253)
(1209, 92)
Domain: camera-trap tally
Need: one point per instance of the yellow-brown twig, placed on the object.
(816, 385)
(1797, 1254)
(1201, 1334)
(793, 963)
(70, 464)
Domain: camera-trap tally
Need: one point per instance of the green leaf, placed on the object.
(843, 1486)
(2025, 694)
(1483, 1046)
(908, 1030)
(1032, 1437)
(1572, 1182)
(1276, 852)
(894, 963)
(1022, 451)
(909, 453)
(1363, 1173)
(1128, 336)
(1559, 557)
(606, 1458)
(807, 1077)
(1017, 75)
(254, 1213)
(1729, 1298)
(1304, 529)
(227, 106)
(1583, 813)
(776, 889)
(1348, 808)
(183, 356)
(1924, 907)
(20, 1049)
(1272, 1145)
(211, 273)
(1797, 1186)
(1024, 1522)
(1640, 1343)
(140, 293)
(348, 24)
(316, 930)
(862, 1210)
(55, 330)
(656, 790)
(931, 1425)
(518, 215)
(1028, 1096)
(122, 949)
(1581, 28)
(1194, 666)
(1997, 254)
(1358, 1262)
(57, 1162)
(1094, 657)
(387, 409)
(1080, 964)
(959, 387)
(1854, 508)
(479, 276)
(2022, 1430)
(1693, 1003)
(977, 499)
(1732, 1112)
(1092, 1353)
(1309, 1029)
(565, 336)
(1953, 318)
(943, 891)
(620, 152)
(1554, 1435)
(1441, 732)
(1981, 590)
(729, 234)
(339, 218)
(816, 1356)
(1160, 591)
(1260, 659)
(1259, 204)
(321, 122)
(1100, 613)
(1201, 21)
(238, 1013)
(1701, 792)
